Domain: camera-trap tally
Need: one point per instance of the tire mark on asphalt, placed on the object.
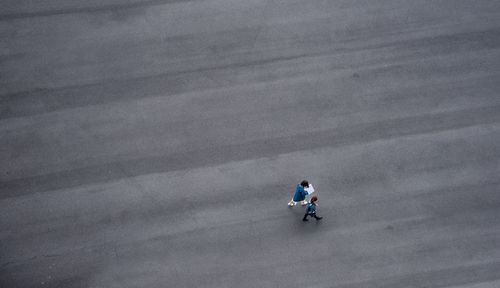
(43, 100)
(90, 9)
(339, 137)
(447, 277)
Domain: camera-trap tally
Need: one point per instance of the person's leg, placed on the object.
(305, 217)
(317, 217)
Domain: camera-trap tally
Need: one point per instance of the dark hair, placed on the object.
(314, 199)
(304, 183)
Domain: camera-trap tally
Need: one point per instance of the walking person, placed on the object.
(311, 209)
(300, 194)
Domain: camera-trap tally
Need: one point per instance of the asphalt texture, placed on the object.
(156, 143)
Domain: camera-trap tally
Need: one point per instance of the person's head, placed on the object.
(314, 199)
(304, 183)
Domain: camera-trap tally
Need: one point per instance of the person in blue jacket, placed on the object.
(300, 194)
(311, 209)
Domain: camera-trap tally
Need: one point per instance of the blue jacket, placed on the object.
(300, 193)
(311, 208)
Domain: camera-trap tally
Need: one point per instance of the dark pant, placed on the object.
(312, 215)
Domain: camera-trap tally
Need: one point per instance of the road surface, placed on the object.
(156, 143)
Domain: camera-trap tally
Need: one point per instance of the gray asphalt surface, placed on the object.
(156, 143)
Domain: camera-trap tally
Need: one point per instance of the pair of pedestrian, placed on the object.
(302, 190)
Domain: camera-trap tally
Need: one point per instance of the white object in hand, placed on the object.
(309, 189)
